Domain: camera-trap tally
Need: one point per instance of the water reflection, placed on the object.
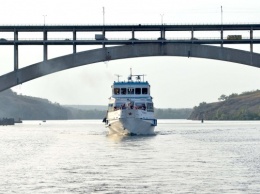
(121, 138)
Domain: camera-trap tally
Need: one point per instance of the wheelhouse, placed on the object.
(131, 95)
(131, 89)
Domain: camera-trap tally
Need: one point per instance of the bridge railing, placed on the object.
(131, 24)
(2, 40)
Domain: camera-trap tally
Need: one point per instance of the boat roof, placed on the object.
(130, 81)
(127, 83)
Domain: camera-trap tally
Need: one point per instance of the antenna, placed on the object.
(221, 15)
(138, 77)
(143, 76)
(103, 16)
(130, 76)
(118, 76)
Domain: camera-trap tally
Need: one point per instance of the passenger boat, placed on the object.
(130, 109)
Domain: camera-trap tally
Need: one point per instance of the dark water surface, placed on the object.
(78, 157)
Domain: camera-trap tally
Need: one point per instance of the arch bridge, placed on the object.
(130, 48)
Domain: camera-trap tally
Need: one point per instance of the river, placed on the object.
(182, 157)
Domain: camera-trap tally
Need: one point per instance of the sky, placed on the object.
(176, 82)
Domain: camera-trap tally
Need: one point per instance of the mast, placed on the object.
(138, 77)
(130, 76)
(118, 77)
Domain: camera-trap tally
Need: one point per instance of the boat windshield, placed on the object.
(130, 90)
(116, 91)
(137, 90)
(123, 91)
(144, 90)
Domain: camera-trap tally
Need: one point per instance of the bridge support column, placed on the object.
(16, 57)
(221, 36)
(133, 34)
(16, 51)
(251, 40)
(104, 35)
(74, 39)
(192, 33)
(45, 46)
(162, 33)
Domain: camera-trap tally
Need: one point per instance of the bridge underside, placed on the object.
(129, 51)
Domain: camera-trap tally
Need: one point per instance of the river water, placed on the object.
(78, 157)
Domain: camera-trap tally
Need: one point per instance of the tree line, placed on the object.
(32, 108)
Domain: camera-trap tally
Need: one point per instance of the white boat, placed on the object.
(130, 109)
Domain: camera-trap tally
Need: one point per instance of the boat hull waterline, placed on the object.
(131, 126)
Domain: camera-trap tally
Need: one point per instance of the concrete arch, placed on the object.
(129, 51)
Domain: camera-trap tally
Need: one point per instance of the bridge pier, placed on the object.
(15, 50)
(74, 39)
(251, 39)
(221, 36)
(162, 33)
(104, 35)
(16, 57)
(133, 34)
(45, 47)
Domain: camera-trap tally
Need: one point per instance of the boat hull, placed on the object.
(132, 126)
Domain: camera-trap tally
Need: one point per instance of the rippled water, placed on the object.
(78, 157)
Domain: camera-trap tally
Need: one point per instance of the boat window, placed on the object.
(116, 91)
(139, 105)
(130, 90)
(137, 90)
(150, 107)
(144, 90)
(123, 91)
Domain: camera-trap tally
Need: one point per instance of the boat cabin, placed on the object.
(131, 95)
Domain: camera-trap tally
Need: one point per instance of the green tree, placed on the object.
(223, 97)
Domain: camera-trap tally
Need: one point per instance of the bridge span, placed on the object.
(127, 51)
(102, 39)
(130, 47)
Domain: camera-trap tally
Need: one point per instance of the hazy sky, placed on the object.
(177, 82)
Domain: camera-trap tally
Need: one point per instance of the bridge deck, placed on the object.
(129, 27)
(126, 42)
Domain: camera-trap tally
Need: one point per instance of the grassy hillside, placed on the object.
(245, 106)
(29, 108)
